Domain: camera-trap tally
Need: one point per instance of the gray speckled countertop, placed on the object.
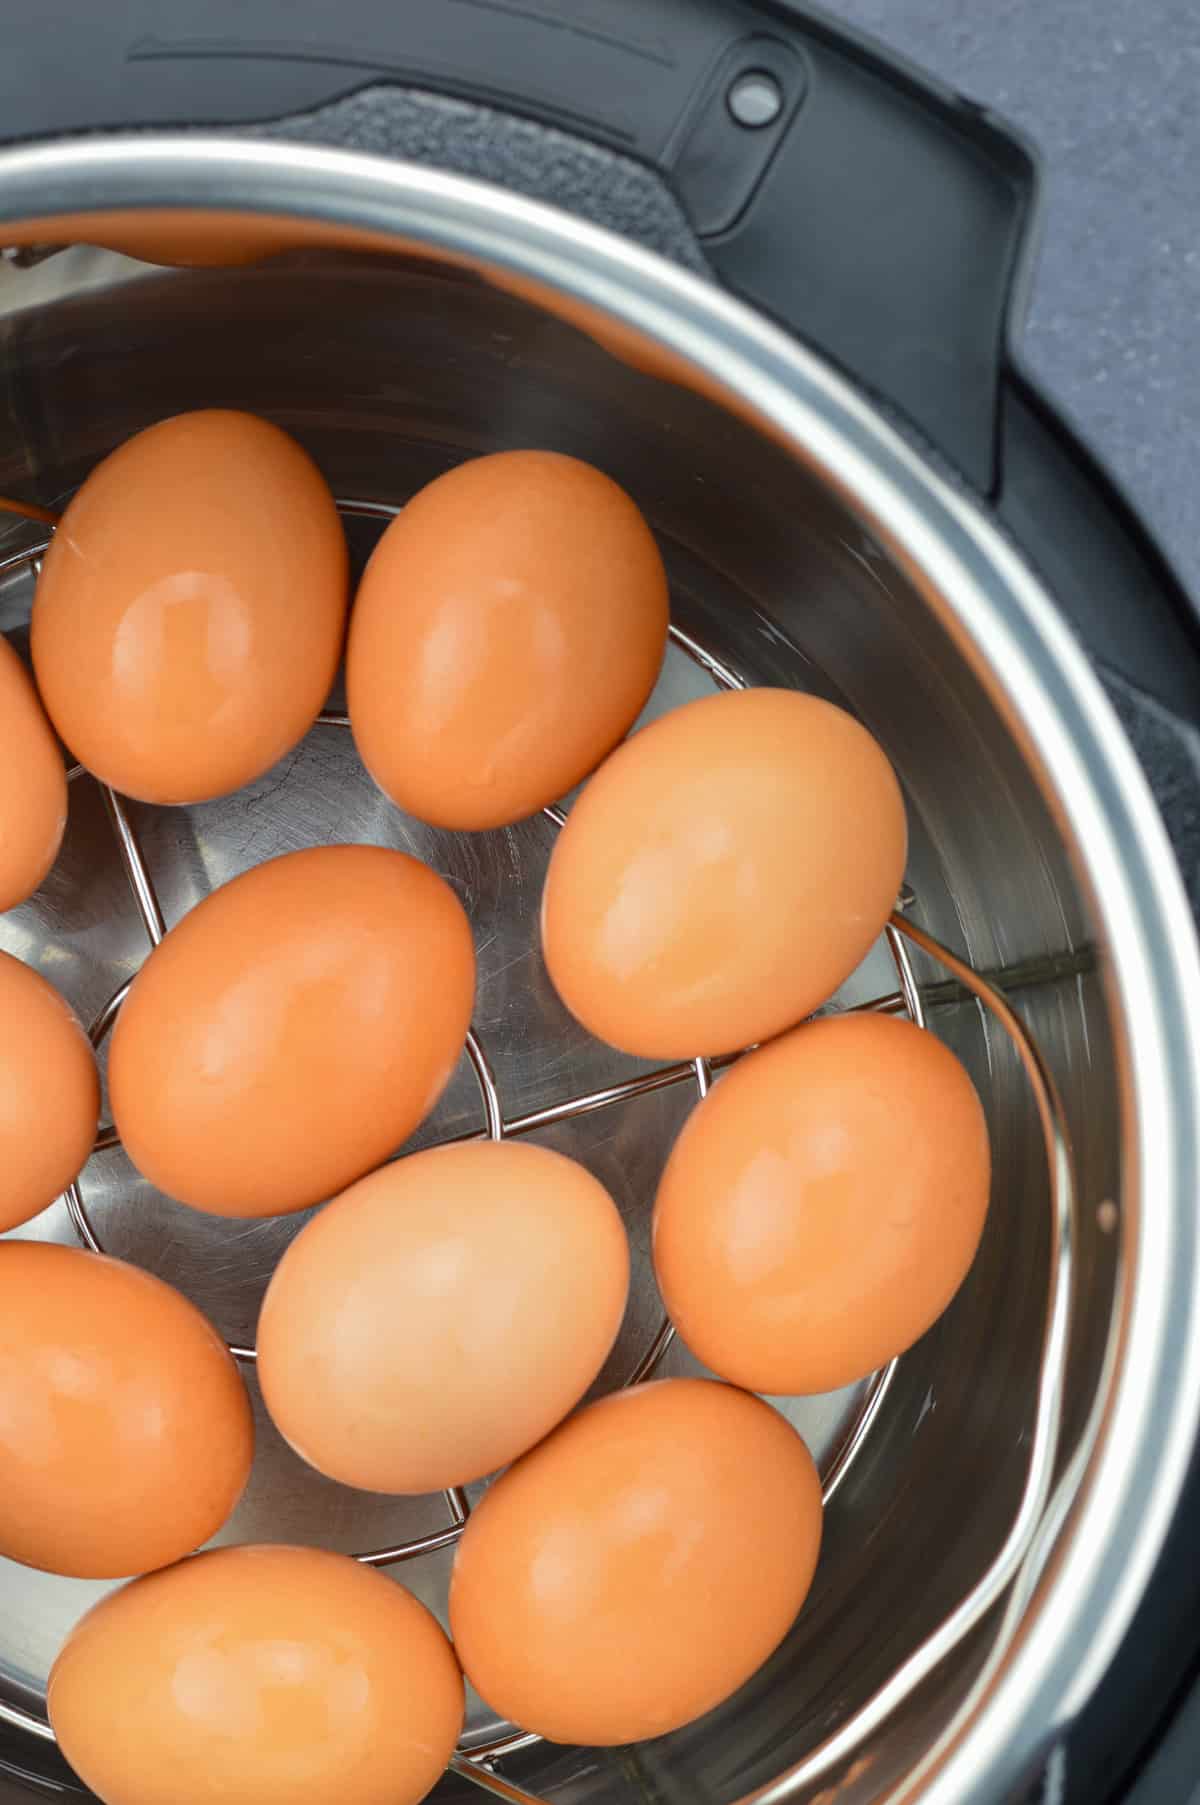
(1110, 92)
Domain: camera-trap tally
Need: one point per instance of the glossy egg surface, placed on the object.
(636, 1567)
(269, 1675)
(125, 1430)
(508, 629)
(443, 1315)
(33, 784)
(823, 1204)
(722, 873)
(49, 1093)
(190, 613)
(293, 1029)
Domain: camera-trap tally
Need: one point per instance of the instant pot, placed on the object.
(771, 280)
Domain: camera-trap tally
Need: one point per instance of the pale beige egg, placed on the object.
(442, 1315)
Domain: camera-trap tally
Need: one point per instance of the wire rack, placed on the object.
(480, 1762)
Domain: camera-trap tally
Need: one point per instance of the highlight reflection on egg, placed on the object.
(442, 1315)
(507, 632)
(634, 1569)
(188, 620)
(723, 873)
(125, 1431)
(282, 1676)
(49, 1094)
(823, 1204)
(293, 1029)
(33, 785)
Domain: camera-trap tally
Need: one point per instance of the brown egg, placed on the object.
(293, 1030)
(722, 874)
(125, 1430)
(33, 785)
(183, 236)
(49, 1094)
(507, 632)
(443, 1315)
(271, 1675)
(823, 1204)
(189, 617)
(189, 239)
(639, 1565)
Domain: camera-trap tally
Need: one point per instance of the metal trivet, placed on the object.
(1022, 1548)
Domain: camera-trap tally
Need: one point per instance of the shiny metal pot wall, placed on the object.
(427, 318)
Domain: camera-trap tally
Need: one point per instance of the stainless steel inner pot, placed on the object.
(421, 319)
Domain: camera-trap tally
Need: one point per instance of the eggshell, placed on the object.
(189, 239)
(188, 621)
(33, 785)
(443, 1315)
(723, 873)
(125, 1430)
(508, 629)
(635, 1568)
(49, 1094)
(293, 1029)
(282, 1676)
(823, 1204)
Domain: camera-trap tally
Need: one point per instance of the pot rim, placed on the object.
(1005, 624)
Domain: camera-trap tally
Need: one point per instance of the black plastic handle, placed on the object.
(870, 213)
(1112, 581)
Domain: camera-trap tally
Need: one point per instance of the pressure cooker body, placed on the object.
(766, 279)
